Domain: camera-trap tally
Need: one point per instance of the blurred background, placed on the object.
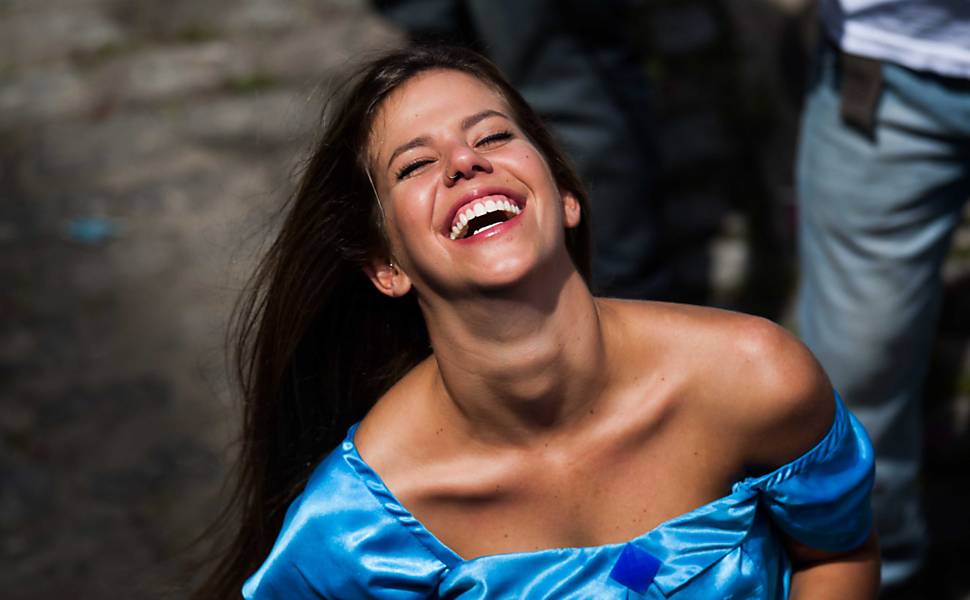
(145, 148)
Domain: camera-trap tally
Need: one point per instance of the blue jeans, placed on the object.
(877, 216)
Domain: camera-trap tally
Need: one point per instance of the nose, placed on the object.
(465, 162)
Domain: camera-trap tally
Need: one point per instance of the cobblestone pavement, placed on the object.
(144, 147)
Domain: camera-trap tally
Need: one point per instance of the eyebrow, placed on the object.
(466, 124)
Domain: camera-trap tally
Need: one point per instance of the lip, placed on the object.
(475, 194)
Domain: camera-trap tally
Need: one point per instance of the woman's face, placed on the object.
(469, 202)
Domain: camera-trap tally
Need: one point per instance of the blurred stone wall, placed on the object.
(145, 146)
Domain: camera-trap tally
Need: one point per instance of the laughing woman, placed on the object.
(437, 406)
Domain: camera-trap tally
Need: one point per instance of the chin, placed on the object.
(499, 281)
(509, 273)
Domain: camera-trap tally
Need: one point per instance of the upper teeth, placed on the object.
(482, 206)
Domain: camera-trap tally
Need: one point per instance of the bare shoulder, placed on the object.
(386, 435)
(754, 384)
(769, 391)
(780, 397)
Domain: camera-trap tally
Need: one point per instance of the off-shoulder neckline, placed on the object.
(740, 491)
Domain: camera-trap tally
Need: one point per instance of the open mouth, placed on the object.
(483, 214)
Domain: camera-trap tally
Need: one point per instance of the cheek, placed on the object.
(408, 217)
(522, 167)
(532, 163)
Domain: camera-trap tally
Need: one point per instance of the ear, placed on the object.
(387, 277)
(571, 209)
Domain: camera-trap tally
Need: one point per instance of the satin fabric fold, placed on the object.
(348, 537)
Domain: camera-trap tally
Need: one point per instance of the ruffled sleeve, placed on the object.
(339, 542)
(821, 499)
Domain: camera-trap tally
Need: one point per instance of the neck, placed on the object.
(517, 365)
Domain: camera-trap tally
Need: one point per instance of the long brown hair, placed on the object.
(315, 344)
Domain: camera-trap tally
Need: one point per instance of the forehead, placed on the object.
(432, 99)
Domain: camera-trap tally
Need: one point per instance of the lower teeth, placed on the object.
(486, 228)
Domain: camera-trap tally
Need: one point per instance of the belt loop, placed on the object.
(861, 86)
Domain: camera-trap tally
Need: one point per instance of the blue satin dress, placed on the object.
(347, 537)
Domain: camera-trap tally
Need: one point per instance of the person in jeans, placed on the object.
(883, 175)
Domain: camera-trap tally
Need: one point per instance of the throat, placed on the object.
(507, 368)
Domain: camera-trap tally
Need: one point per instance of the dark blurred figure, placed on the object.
(576, 65)
(883, 175)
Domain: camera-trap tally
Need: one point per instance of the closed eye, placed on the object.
(411, 167)
(494, 138)
(485, 142)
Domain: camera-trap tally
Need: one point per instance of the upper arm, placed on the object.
(803, 555)
(819, 574)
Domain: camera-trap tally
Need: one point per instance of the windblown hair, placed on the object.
(315, 344)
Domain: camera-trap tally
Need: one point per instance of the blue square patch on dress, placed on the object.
(635, 568)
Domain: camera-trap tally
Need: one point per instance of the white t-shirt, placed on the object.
(926, 35)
